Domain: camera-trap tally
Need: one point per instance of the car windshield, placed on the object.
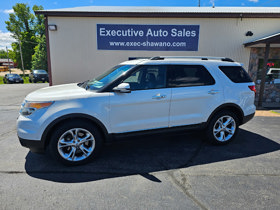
(39, 72)
(106, 78)
(14, 75)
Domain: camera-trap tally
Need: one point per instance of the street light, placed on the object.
(8, 59)
(21, 57)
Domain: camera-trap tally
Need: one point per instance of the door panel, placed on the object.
(139, 110)
(193, 105)
(195, 94)
(147, 106)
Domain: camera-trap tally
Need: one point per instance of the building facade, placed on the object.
(84, 42)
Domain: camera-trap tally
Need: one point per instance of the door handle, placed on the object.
(158, 96)
(213, 92)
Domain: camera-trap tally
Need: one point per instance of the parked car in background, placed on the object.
(272, 76)
(38, 75)
(12, 78)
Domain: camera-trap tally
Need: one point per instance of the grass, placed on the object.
(275, 112)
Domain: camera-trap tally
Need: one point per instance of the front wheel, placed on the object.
(75, 143)
(222, 128)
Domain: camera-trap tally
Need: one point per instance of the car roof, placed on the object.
(219, 61)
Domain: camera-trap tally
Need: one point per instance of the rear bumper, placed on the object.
(248, 118)
(34, 146)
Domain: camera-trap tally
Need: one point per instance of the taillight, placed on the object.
(253, 88)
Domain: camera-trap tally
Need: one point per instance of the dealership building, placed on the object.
(83, 42)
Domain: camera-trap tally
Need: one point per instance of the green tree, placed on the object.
(39, 59)
(39, 21)
(3, 54)
(23, 24)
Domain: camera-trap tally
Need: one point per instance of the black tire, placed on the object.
(63, 133)
(218, 132)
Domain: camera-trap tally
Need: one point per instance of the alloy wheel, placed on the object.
(76, 144)
(224, 128)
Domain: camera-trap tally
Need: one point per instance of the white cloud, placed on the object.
(8, 11)
(6, 39)
(255, 1)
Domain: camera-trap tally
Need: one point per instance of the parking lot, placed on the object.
(158, 172)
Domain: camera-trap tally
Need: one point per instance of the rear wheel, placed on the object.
(75, 143)
(222, 128)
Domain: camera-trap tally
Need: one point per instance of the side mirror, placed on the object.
(122, 88)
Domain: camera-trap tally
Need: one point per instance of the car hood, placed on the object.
(59, 92)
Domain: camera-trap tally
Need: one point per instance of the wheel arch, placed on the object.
(230, 107)
(75, 116)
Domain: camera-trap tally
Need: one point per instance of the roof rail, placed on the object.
(193, 57)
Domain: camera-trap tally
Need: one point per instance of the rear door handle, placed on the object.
(159, 96)
(213, 92)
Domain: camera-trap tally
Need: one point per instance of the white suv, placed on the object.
(140, 96)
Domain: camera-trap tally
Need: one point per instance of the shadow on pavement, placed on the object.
(150, 154)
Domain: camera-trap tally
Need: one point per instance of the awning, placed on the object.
(272, 39)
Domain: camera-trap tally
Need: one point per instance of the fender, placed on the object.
(47, 131)
(229, 106)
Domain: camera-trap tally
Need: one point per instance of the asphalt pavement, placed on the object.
(158, 172)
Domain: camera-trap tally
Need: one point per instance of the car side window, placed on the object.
(188, 75)
(148, 77)
(236, 74)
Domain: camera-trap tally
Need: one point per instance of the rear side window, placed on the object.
(236, 74)
(188, 75)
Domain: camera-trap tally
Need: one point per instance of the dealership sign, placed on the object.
(147, 37)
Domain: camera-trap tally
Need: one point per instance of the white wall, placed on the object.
(75, 58)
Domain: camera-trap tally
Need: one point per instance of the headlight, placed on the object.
(27, 108)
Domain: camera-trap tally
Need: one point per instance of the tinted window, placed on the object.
(14, 75)
(188, 75)
(148, 77)
(39, 72)
(236, 74)
(275, 72)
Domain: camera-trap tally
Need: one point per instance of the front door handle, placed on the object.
(159, 96)
(213, 92)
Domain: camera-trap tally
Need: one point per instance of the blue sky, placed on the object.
(6, 7)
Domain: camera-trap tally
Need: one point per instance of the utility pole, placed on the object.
(21, 57)
(198, 3)
(8, 59)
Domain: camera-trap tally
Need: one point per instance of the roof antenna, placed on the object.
(213, 3)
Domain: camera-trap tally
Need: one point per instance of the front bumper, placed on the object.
(43, 79)
(34, 146)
